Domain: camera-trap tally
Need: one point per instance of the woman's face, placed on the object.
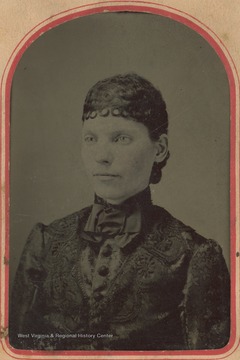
(118, 155)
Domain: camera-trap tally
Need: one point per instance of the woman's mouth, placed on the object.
(105, 176)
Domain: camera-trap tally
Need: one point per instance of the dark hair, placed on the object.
(132, 97)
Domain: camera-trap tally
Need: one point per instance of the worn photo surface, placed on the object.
(119, 174)
(119, 180)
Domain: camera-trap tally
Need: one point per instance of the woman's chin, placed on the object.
(112, 195)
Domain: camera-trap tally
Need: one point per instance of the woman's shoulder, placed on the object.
(68, 223)
(177, 237)
(58, 230)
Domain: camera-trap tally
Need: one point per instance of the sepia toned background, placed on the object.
(52, 78)
(47, 178)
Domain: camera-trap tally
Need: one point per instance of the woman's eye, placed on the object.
(123, 139)
(89, 139)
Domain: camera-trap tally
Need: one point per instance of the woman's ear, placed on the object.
(161, 148)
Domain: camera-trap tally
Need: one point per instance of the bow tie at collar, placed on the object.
(122, 222)
(112, 221)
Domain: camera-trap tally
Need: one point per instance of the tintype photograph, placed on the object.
(119, 178)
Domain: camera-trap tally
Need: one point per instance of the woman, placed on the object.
(122, 273)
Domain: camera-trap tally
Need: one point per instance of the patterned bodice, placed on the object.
(166, 287)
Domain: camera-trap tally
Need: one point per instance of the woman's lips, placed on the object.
(105, 176)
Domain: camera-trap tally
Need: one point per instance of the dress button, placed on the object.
(103, 270)
(107, 251)
(97, 296)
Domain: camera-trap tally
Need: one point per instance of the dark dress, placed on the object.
(129, 277)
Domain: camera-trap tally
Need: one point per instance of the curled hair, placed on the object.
(132, 97)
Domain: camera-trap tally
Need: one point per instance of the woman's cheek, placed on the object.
(137, 165)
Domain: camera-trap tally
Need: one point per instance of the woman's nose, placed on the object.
(103, 154)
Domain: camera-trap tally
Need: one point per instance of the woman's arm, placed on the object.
(207, 299)
(30, 274)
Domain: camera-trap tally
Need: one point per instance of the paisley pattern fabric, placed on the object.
(164, 288)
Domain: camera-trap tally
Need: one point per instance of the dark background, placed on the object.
(49, 87)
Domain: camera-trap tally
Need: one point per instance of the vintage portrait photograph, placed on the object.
(119, 232)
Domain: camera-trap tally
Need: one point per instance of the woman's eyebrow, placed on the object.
(88, 132)
(109, 132)
(122, 131)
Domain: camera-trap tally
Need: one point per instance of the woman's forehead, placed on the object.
(111, 124)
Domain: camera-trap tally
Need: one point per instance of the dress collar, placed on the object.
(140, 201)
(124, 221)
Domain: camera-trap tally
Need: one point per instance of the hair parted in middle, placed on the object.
(132, 97)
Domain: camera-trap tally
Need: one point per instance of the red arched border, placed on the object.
(194, 24)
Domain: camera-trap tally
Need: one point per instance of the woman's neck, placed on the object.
(142, 198)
